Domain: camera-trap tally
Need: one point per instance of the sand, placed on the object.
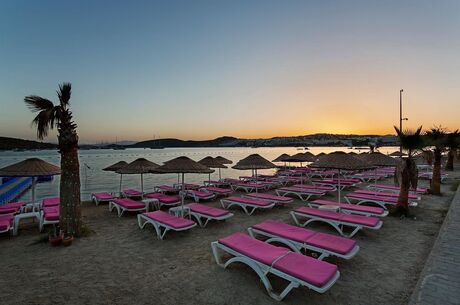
(121, 264)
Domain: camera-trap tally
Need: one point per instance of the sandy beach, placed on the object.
(121, 264)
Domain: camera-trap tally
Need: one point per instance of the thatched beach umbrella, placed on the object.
(282, 158)
(223, 160)
(212, 163)
(302, 157)
(32, 167)
(254, 162)
(116, 166)
(378, 159)
(352, 153)
(182, 165)
(341, 161)
(139, 166)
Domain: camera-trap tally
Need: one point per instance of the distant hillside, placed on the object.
(13, 143)
(222, 142)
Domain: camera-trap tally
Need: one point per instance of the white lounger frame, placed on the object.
(277, 202)
(43, 222)
(298, 247)
(262, 271)
(97, 202)
(303, 195)
(142, 220)
(199, 217)
(347, 211)
(247, 188)
(226, 204)
(336, 224)
(121, 209)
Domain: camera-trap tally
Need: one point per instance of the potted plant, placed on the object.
(67, 240)
(55, 236)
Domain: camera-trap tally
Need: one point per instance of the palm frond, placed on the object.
(64, 93)
(36, 103)
(44, 122)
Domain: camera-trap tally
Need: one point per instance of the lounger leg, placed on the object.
(252, 211)
(355, 231)
(295, 218)
(323, 256)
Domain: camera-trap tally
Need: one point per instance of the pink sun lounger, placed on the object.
(358, 198)
(162, 200)
(336, 220)
(11, 208)
(166, 189)
(132, 193)
(126, 204)
(203, 212)
(248, 187)
(199, 195)
(51, 202)
(303, 193)
(321, 188)
(298, 239)
(48, 215)
(218, 191)
(101, 197)
(187, 186)
(263, 258)
(385, 194)
(392, 188)
(6, 223)
(269, 197)
(247, 204)
(351, 208)
(164, 222)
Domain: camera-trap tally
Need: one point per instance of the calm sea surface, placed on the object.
(94, 179)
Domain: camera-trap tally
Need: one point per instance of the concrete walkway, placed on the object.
(439, 281)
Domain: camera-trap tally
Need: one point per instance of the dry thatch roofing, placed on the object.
(340, 160)
(397, 154)
(30, 168)
(223, 160)
(138, 166)
(116, 166)
(254, 161)
(302, 157)
(378, 159)
(281, 158)
(211, 163)
(183, 165)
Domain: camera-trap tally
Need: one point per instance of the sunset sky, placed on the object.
(203, 69)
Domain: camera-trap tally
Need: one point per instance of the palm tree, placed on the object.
(406, 173)
(50, 116)
(453, 144)
(436, 138)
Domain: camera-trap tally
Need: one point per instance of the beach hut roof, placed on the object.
(211, 163)
(378, 159)
(138, 166)
(281, 158)
(223, 160)
(30, 168)
(116, 166)
(254, 161)
(183, 165)
(340, 160)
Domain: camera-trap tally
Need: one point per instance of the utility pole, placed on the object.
(401, 119)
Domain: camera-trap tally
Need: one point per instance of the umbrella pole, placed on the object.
(142, 183)
(182, 195)
(339, 185)
(121, 179)
(209, 180)
(256, 182)
(219, 175)
(33, 190)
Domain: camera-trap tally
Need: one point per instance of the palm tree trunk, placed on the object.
(450, 160)
(435, 185)
(70, 219)
(403, 198)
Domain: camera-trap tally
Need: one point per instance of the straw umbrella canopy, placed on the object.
(139, 166)
(352, 153)
(114, 167)
(32, 167)
(254, 162)
(182, 165)
(341, 161)
(302, 157)
(281, 158)
(212, 163)
(223, 160)
(378, 159)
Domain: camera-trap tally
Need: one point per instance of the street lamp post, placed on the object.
(401, 119)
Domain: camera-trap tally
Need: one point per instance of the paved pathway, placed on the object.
(439, 281)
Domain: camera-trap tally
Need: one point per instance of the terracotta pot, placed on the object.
(55, 240)
(67, 241)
